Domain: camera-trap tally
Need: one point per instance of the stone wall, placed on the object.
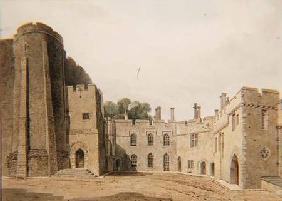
(203, 152)
(86, 127)
(261, 141)
(9, 148)
(142, 128)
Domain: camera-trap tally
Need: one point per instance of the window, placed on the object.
(133, 159)
(190, 164)
(222, 144)
(150, 139)
(179, 164)
(166, 162)
(133, 139)
(233, 122)
(166, 141)
(215, 145)
(264, 119)
(85, 116)
(150, 160)
(237, 119)
(193, 139)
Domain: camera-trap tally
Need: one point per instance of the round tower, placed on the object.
(39, 100)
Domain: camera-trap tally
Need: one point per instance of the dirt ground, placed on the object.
(128, 187)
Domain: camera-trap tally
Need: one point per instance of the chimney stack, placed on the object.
(223, 100)
(197, 111)
(172, 114)
(158, 113)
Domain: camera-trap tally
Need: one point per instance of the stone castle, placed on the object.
(51, 119)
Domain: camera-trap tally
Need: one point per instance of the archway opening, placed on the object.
(79, 159)
(179, 164)
(117, 165)
(234, 170)
(203, 168)
(212, 170)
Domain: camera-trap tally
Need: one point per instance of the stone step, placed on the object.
(75, 173)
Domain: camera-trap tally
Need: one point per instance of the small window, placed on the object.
(133, 139)
(193, 139)
(133, 159)
(190, 164)
(237, 120)
(85, 116)
(233, 122)
(166, 141)
(150, 139)
(215, 145)
(150, 160)
(222, 144)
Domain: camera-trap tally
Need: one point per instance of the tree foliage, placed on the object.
(134, 109)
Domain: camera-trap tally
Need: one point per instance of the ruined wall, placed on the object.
(75, 74)
(9, 148)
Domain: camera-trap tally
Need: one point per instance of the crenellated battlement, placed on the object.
(38, 27)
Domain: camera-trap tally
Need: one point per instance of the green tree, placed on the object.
(123, 105)
(135, 109)
(111, 109)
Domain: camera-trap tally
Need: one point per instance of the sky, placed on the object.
(187, 50)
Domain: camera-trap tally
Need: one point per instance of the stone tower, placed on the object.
(39, 100)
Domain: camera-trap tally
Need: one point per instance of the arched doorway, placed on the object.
(203, 167)
(234, 170)
(212, 170)
(179, 164)
(79, 159)
(117, 165)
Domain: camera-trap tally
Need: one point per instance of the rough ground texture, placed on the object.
(127, 187)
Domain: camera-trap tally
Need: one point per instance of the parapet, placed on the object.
(81, 88)
(38, 27)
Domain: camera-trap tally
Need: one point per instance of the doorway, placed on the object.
(203, 168)
(234, 171)
(79, 159)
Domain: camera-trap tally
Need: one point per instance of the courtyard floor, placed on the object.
(127, 187)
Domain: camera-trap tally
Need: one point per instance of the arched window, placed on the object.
(133, 159)
(133, 139)
(150, 139)
(179, 163)
(150, 160)
(166, 140)
(166, 162)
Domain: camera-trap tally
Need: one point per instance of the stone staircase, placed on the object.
(277, 181)
(77, 173)
(272, 184)
(23, 195)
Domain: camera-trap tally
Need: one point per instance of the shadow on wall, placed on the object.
(21, 194)
(123, 162)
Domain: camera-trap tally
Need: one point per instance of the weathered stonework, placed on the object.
(33, 103)
(239, 144)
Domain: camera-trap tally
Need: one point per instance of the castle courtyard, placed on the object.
(127, 187)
